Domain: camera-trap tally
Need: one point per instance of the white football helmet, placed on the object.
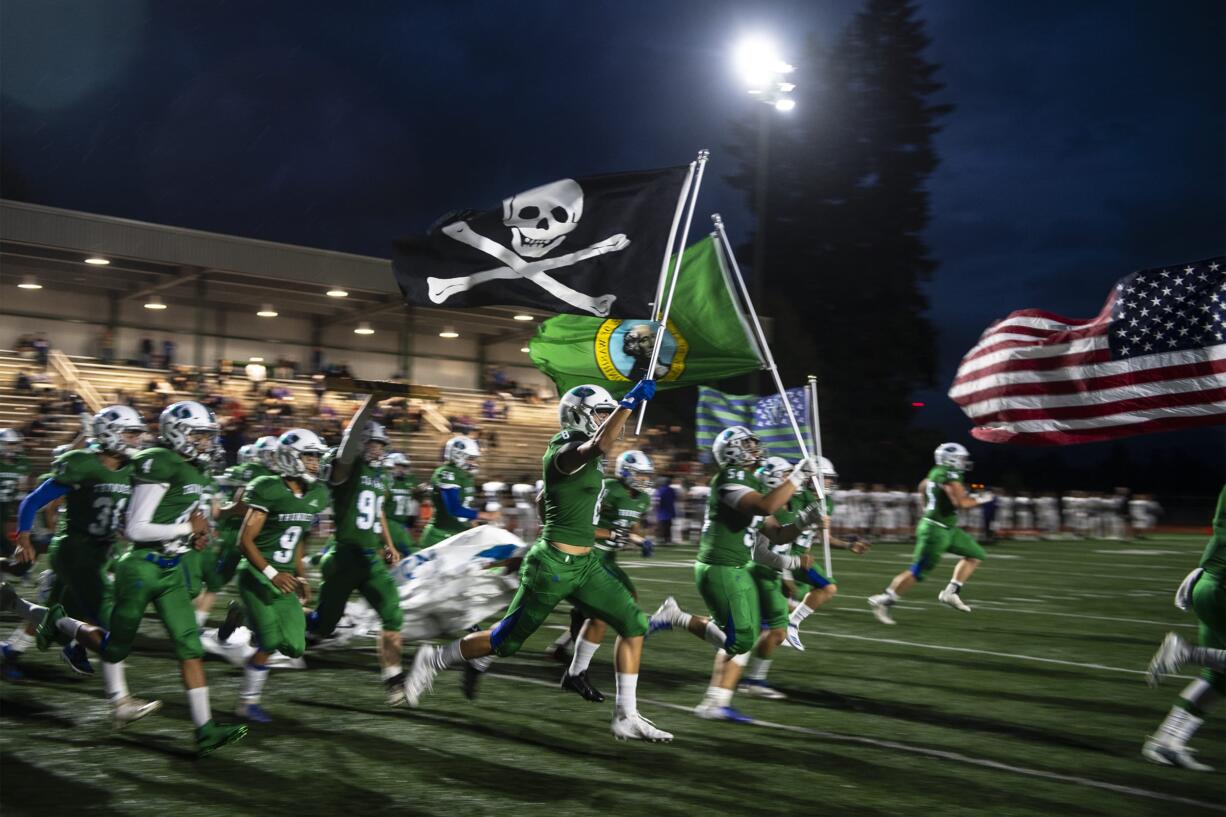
(374, 433)
(578, 408)
(10, 441)
(736, 445)
(462, 452)
(773, 472)
(264, 451)
(189, 429)
(829, 476)
(953, 455)
(396, 460)
(246, 453)
(635, 470)
(111, 426)
(298, 454)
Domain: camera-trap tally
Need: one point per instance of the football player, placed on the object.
(938, 532)
(452, 491)
(403, 493)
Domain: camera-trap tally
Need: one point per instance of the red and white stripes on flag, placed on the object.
(1154, 359)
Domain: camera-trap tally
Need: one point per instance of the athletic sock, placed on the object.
(582, 659)
(253, 683)
(891, 596)
(954, 587)
(481, 664)
(627, 705)
(681, 620)
(714, 636)
(798, 615)
(115, 680)
(198, 703)
(388, 673)
(718, 696)
(1178, 728)
(20, 640)
(1207, 657)
(1198, 697)
(758, 667)
(202, 617)
(448, 655)
(31, 612)
(69, 626)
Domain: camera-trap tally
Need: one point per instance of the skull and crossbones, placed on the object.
(539, 219)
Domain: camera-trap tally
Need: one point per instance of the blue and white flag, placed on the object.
(765, 416)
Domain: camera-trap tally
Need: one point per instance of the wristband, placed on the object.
(271, 572)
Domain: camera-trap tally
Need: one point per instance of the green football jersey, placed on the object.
(185, 484)
(620, 509)
(572, 501)
(940, 508)
(725, 538)
(93, 510)
(357, 507)
(241, 476)
(1214, 558)
(12, 471)
(289, 517)
(401, 495)
(448, 476)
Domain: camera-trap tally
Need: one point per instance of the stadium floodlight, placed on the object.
(266, 311)
(763, 71)
(155, 302)
(522, 317)
(449, 332)
(255, 359)
(29, 282)
(97, 261)
(363, 328)
(337, 292)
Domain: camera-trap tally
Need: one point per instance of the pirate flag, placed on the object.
(590, 246)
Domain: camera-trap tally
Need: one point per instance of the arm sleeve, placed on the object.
(36, 500)
(731, 495)
(763, 555)
(141, 528)
(451, 501)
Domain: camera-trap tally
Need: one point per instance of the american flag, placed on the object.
(1154, 359)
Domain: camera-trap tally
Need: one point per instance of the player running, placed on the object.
(452, 490)
(1204, 592)
(163, 522)
(363, 548)
(403, 494)
(272, 575)
(938, 532)
(625, 498)
(561, 564)
(739, 507)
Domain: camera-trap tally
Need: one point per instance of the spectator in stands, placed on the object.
(42, 349)
(146, 352)
(256, 374)
(491, 439)
(666, 509)
(22, 381)
(106, 345)
(489, 409)
(168, 353)
(317, 384)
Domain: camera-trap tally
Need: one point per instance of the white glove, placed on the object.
(1183, 596)
(803, 472)
(810, 516)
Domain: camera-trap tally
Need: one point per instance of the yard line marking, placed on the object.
(937, 753)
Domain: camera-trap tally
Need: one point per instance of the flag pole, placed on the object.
(816, 428)
(703, 155)
(657, 305)
(766, 349)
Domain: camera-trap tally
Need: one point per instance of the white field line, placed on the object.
(940, 754)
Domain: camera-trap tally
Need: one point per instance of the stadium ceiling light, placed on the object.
(266, 311)
(255, 359)
(337, 292)
(29, 282)
(363, 328)
(522, 317)
(785, 104)
(97, 261)
(523, 348)
(154, 302)
(449, 332)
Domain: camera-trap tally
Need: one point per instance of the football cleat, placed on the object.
(129, 709)
(582, 686)
(636, 727)
(954, 600)
(395, 689)
(253, 713)
(665, 617)
(47, 632)
(792, 639)
(713, 712)
(881, 608)
(10, 670)
(1164, 754)
(233, 620)
(758, 688)
(421, 676)
(77, 658)
(212, 736)
(8, 597)
(1168, 659)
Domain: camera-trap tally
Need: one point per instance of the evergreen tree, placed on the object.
(846, 210)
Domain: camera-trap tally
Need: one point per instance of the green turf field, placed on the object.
(1033, 704)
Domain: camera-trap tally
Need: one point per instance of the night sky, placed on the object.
(1087, 141)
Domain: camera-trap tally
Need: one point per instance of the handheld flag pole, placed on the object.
(662, 327)
(816, 427)
(764, 346)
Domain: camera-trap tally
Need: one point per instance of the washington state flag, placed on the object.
(708, 337)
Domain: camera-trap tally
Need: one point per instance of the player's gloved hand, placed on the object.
(811, 516)
(859, 546)
(285, 582)
(803, 472)
(619, 537)
(390, 555)
(806, 561)
(25, 553)
(643, 391)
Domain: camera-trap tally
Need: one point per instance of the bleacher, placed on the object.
(522, 436)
